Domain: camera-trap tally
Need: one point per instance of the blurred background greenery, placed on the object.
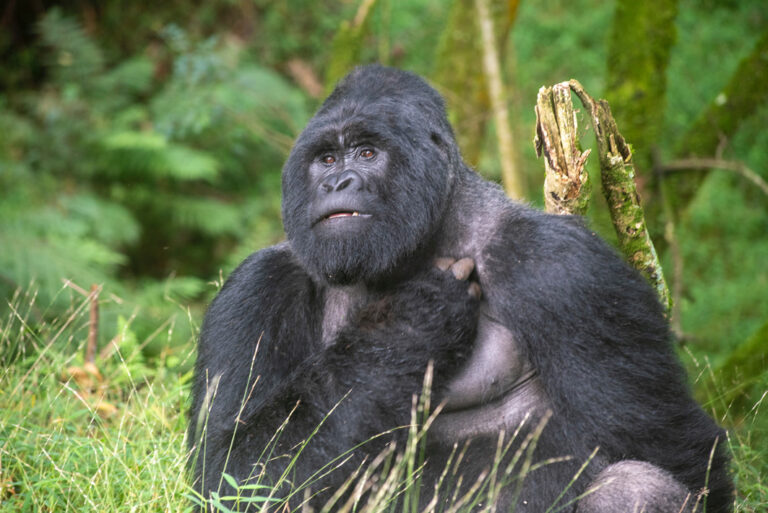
(141, 145)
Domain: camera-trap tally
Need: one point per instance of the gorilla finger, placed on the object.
(474, 290)
(444, 263)
(463, 268)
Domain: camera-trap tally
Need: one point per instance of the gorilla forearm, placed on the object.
(376, 360)
(597, 335)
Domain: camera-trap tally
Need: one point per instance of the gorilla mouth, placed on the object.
(340, 214)
(343, 214)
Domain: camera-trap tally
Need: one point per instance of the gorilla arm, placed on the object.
(596, 334)
(375, 363)
(247, 348)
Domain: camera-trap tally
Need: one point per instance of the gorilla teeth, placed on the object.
(344, 214)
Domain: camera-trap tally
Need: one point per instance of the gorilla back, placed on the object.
(390, 239)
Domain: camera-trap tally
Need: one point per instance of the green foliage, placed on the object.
(148, 157)
(717, 42)
(747, 89)
(115, 174)
(747, 433)
(58, 241)
(297, 28)
(724, 265)
(745, 372)
(73, 56)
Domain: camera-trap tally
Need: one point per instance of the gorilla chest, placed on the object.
(495, 389)
(497, 365)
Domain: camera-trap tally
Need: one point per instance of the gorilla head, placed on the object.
(367, 181)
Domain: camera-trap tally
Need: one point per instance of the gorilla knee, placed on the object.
(636, 487)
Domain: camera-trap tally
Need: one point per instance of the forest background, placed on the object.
(141, 145)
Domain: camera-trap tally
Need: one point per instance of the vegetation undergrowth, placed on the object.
(110, 436)
(81, 437)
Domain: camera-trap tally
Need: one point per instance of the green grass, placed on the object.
(72, 440)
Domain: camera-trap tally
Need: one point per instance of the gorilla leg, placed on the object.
(636, 487)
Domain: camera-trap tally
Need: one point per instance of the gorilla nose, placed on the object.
(340, 181)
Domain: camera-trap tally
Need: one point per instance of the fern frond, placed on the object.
(45, 245)
(177, 289)
(108, 222)
(271, 109)
(210, 216)
(74, 56)
(149, 156)
(131, 77)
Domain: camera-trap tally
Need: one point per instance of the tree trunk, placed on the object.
(638, 55)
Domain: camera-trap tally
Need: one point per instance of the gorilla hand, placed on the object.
(462, 270)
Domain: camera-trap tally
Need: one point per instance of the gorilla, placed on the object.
(399, 256)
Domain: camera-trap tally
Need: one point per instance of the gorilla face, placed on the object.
(367, 180)
(342, 185)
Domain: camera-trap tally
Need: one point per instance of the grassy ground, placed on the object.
(86, 439)
(81, 439)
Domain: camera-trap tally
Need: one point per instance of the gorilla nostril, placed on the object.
(344, 183)
(340, 182)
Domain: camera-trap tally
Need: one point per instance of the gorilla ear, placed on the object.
(447, 147)
(439, 142)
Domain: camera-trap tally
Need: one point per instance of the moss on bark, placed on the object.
(640, 42)
(459, 70)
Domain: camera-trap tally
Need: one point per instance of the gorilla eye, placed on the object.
(328, 159)
(367, 153)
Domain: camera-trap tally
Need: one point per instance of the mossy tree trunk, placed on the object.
(459, 76)
(347, 44)
(511, 177)
(468, 74)
(565, 191)
(641, 38)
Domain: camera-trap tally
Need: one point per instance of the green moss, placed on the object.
(459, 73)
(347, 47)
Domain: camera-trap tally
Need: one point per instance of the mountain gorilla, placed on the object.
(398, 255)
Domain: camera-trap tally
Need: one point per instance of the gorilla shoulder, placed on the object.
(261, 274)
(267, 286)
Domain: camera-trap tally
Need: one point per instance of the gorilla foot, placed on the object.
(636, 486)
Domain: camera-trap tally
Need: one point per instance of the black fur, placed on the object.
(358, 312)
